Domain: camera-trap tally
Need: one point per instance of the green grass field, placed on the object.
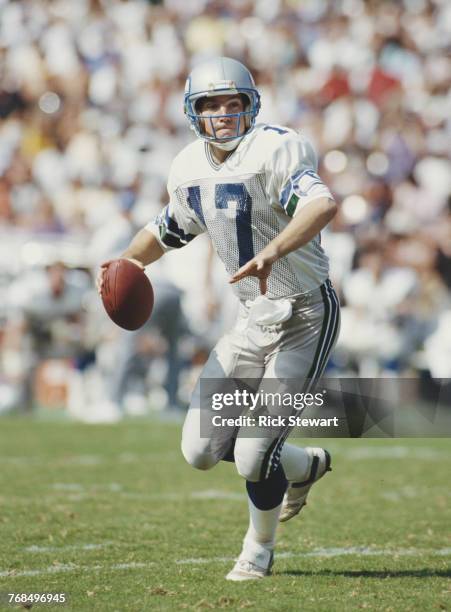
(112, 516)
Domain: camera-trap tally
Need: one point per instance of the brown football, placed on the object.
(127, 294)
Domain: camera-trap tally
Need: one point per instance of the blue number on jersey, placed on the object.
(275, 129)
(225, 193)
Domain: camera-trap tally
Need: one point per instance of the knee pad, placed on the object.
(248, 459)
(197, 458)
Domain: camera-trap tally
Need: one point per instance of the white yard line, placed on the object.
(65, 568)
(206, 494)
(67, 486)
(420, 453)
(75, 492)
(217, 494)
(204, 560)
(359, 551)
(88, 460)
(410, 492)
(114, 487)
(46, 549)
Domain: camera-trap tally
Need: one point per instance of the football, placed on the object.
(127, 294)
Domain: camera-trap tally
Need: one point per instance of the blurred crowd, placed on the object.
(91, 110)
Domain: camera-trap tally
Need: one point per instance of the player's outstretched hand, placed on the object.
(259, 266)
(103, 268)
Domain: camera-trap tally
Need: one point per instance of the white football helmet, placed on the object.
(217, 77)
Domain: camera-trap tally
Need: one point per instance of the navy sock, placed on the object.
(268, 494)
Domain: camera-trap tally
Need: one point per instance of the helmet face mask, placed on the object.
(241, 118)
(221, 77)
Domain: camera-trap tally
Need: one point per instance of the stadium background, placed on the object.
(91, 109)
(91, 116)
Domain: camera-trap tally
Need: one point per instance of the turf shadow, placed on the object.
(420, 573)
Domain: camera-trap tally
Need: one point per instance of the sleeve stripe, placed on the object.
(173, 228)
(170, 240)
(180, 238)
(294, 190)
(291, 206)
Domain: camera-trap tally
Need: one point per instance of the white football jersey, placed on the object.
(244, 203)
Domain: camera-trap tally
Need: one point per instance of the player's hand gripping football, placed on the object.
(259, 266)
(104, 267)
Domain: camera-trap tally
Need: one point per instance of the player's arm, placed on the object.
(307, 223)
(144, 249)
(291, 181)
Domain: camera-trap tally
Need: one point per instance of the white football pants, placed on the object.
(297, 349)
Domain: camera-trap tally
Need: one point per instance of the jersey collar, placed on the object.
(211, 160)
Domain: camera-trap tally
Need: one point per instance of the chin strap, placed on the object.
(229, 145)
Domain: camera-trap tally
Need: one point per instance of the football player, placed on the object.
(255, 190)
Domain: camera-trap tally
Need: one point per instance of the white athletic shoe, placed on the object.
(251, 566)
(296, 496)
